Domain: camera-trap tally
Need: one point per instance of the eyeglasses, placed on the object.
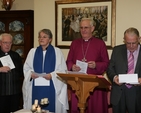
(85, 28)
(7, 43)
(131, 43)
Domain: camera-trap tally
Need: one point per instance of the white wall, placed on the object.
(128, 14)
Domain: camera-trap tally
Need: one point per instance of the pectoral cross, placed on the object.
(84, 59)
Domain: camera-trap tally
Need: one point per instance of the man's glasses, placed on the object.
(85, 28)
(131, 43)
(7, 43)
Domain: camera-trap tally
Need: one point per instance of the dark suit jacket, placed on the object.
(118, 65)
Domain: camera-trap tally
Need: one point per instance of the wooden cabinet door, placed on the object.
(19, 24)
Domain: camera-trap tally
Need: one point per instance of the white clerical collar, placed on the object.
(86, 40)
(6, 53)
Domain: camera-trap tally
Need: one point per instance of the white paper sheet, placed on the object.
(75, 72)
(39, 74)
(82, 65)
(128, 78)
(40, 81)
(7, 61)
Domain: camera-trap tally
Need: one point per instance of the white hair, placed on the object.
(92, 22)
(5, 34)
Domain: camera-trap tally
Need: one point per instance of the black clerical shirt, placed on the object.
(10, 82)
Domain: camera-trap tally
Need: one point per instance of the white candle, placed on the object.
(33, 107)
(36, 102)
(38, 109)
(45, 99)
(42, 101)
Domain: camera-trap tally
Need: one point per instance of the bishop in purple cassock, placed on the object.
(89, 50)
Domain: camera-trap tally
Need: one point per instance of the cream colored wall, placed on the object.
(127, 15)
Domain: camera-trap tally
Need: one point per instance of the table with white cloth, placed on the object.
(27, 111)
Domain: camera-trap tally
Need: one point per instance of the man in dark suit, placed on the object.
(123, 98)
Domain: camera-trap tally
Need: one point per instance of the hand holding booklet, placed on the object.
(40, 81)
(7, 61)
(39, 74)
(82, 65)
(128, 78)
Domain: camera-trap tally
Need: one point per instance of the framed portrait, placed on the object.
(68, 15)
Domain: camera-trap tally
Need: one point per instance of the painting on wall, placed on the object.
(69, 14)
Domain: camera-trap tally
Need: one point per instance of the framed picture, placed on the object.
(69, 14)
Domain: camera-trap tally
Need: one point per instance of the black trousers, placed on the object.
(9, 103)
(128, 102)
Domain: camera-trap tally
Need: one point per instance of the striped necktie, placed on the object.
(131, 63)
(130, 67)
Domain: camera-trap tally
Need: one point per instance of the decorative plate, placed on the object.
(16, 26)
(18, 39)
(19, 51)
(2, 26)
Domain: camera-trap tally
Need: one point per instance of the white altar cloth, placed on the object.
(23, 111)
(26, 111)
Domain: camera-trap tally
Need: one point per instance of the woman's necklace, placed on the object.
(85, 53)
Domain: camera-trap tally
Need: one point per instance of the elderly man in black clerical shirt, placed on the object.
(11, 72)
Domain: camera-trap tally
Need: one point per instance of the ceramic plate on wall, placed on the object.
(2, 26)
(19, 51)
(18, 39)
(16, 26)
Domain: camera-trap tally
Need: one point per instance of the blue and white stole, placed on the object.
(40, 92)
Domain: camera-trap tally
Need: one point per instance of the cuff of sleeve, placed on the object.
(114, 77)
